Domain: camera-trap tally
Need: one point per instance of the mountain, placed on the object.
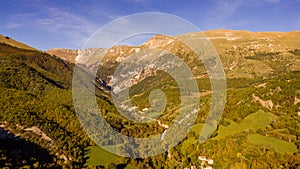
(65, 54)
(244, 54)
(241, 52)
(12, 42)
(247, 54)
(259, 128)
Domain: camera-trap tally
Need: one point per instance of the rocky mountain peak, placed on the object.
(158, 41)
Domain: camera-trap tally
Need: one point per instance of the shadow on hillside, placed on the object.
(19, 152)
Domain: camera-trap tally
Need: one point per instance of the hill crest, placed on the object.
(10, 41)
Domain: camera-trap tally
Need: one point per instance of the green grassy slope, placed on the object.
(279, 145)
(98, 156)
(254, 121)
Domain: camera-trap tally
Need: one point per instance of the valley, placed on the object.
(259, 128)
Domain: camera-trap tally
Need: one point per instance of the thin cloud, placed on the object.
(129, 29)
(19, 20)
(273, 1)
(63, 21)
(96, 11)
(221, 12)
(137, 1)
(224, 9)
(75, 29)
(13, 25)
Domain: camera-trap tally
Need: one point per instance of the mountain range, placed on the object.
(239, 51)
(259, 127)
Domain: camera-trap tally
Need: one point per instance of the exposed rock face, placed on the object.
(7, 133)
(158, 41)
(267, 104)
(261, 85)
(39, 132)
(65, 54)
(296, 100)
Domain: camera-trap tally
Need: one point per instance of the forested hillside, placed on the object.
(37, 115)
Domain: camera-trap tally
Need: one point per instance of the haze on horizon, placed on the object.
(68, 24)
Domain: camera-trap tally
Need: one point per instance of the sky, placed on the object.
(46, 24)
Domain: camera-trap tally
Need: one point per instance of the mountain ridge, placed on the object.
(244, 54)
(210, 34)
(8, 40)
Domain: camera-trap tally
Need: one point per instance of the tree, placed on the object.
(111, 166)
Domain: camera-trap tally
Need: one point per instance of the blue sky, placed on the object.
(46, 24)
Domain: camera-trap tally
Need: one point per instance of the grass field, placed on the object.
(254, 121)
(187, 143)
(98, 156)
(279, 145)
(197, 128)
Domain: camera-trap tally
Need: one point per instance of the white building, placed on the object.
(209, 167)
(202, 158)
(210, 161)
